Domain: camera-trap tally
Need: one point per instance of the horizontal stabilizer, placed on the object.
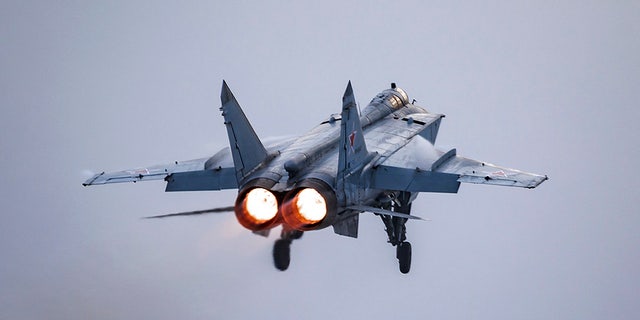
(203, 180)
(413, 180)
(384, 212)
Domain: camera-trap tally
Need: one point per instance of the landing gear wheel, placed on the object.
(281, 254)
(403, 253)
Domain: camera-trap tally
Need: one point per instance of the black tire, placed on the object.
(404, 256)
(281, 254)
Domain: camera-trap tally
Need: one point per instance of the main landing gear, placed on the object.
(397, 232)
(282, 248)
(394, 226)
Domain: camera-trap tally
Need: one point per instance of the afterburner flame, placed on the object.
(311, 205)
(260, 204)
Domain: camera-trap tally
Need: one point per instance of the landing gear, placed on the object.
(403, 253)
(282, 254)
(397, 231)
(282, 248)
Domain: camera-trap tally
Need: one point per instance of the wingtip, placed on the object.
(535, 183)
(93, 179)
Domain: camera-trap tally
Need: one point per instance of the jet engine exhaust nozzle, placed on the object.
(257, 209)
(310, 207)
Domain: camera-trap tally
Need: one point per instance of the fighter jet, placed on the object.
(375, 161)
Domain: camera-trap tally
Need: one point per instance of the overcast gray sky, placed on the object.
(551, 87)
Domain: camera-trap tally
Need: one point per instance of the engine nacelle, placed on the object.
(257, 206)
(311, 205)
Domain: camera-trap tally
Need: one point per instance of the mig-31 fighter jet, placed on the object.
(373, 161)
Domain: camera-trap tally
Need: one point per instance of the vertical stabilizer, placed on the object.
(246, 148)
(353, 151)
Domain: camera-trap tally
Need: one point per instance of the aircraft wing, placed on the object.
(215, 173)
(192, 175)
(411, 169)
(473, 171)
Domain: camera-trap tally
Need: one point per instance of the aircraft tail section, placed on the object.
(246, 148)
(353, 151)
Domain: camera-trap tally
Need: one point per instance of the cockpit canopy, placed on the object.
(400, 93)
(394, 97)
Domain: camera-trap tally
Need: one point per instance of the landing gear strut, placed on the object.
(282, 248)
(397, 231)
